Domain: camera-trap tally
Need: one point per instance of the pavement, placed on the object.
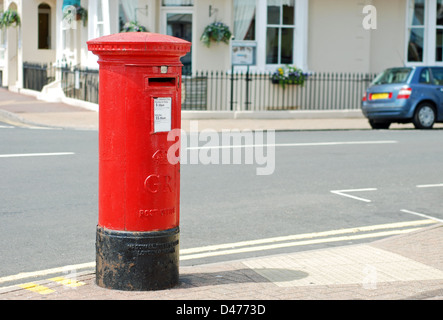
(402, 267)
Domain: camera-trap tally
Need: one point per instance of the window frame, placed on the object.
(300, 43)
(430, 28)
(280, 26)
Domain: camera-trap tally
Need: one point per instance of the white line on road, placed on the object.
(430, 185)
(309, 144)
(18, 155)
(421, 215)
(297, 243)
(26, 275)
(344, 193)
(306, 236)
(258, 245)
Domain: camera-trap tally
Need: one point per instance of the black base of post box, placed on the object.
(137, 261)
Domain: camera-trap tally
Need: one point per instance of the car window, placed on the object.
(394, 75)
(425, 76)
(437, 75)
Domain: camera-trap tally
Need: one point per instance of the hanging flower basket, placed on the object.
(75, 12)
(217, 32)
(81, 14)
(9, 18)
(133, 26)
(289, 75)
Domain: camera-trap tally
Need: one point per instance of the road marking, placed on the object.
(43, 128)
(430, 185)
(308, 235)
(344, 193)
(272, 243)
(36, 288)
(309, 144)
(259, 244)
(421, 215)
(7, 127)
(18, 155)
(67, 282)
(299, 243)
(40, 273)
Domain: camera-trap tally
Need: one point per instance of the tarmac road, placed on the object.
(323, 181)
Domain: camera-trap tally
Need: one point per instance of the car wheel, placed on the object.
(424, 117)
(379, 125)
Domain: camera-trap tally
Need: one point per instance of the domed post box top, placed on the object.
(151, 47)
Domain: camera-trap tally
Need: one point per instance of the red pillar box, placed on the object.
(137, 245)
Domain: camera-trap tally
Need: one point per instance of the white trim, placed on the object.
(301, 31)
(300, 37)
(429, 41)
(430, 35)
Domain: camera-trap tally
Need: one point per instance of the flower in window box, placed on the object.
(289, 75)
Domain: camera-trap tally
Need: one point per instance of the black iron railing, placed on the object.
(246, 91)
(37, 75)
(225, 90)
(81, 84)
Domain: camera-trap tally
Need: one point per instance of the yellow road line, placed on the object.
(68, 282)
(36, 288)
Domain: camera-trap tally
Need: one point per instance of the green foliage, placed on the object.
(289, 75)
(75, 12)
(216, 31)
(9, 18)
(133, 26)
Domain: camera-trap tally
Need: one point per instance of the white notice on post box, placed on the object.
(162, 114)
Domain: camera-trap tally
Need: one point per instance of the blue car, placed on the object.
(404, 95)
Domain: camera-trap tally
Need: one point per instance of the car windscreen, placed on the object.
(395, 75)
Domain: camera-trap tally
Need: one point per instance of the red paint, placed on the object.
(138, 189)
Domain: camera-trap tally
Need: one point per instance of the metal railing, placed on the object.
(224, 91)
(37, 75)
(81, 84)
(244, 91)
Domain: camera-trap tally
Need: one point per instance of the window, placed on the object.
(100, 22)
(424, 32)
(424, 76)
(44, 26)
(177, 3)
(127, 12)
(439, 31)
(244, 20)
(416, 30)
(270, 33)
(98, 12)
(437, 75)
(280, 31)
(394, 75)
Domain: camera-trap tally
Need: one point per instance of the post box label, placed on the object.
(162, 114)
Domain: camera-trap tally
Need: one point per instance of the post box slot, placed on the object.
(161, 82)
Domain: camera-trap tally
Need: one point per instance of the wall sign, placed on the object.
(243, 54)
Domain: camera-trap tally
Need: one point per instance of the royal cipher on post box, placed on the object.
(137, 238)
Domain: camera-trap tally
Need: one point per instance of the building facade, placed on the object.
(314, 35)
